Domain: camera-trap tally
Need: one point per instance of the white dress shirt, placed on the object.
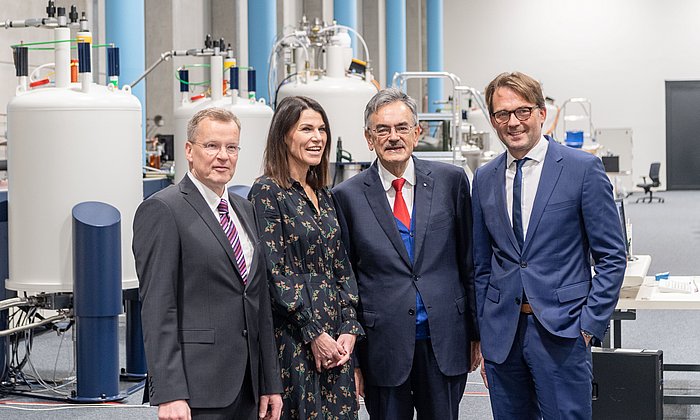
(532, 171)
(407, 191)
(213, 200)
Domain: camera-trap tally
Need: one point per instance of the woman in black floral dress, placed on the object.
(313, 289)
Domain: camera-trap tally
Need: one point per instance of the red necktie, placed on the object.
(400, 209)
(232, 235)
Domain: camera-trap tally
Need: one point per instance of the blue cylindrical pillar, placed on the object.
(136, 368)
(125, 28)
(345, 13)
(434, 19)
(97, 303)
(262, 27)
(4, 273)
(395, 38)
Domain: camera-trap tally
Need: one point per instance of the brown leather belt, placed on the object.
(525, 308)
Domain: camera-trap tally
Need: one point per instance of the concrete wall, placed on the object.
(176, 24)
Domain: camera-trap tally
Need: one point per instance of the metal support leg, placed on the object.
(135, 354)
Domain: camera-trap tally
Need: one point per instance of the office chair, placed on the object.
(655, 183)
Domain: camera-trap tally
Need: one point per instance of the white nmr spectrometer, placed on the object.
(91, 138)
(318, 63)
(255, 116)
(70, 212)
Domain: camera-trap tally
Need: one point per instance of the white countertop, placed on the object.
(648, 296)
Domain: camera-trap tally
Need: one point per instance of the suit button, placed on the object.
(517, 301)
(244, 333)
(245, 294)
(411, 312)
(523, 264)
(416, 278)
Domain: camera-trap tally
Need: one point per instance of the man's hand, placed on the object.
(483, 374)
(475, 355)
(586, 338)
(270, 407)
(327, 352)
(359, 385)
(347, 342)
(174, 410)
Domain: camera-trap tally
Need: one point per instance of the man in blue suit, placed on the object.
(406, 223)
(541, 211)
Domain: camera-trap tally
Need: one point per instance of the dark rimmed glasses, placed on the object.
(522, 114)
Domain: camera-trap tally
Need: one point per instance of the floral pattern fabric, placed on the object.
(313, 290)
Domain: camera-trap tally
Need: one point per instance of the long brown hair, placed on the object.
(286, 117)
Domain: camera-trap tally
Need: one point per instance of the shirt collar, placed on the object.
(210, 196)
(536, 154)
(386, 177)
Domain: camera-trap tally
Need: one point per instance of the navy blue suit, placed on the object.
(387, 278)
(573, 217)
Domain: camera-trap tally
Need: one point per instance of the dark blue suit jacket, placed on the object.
(573, 216)
(387, 280)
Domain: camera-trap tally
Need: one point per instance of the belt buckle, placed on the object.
(526, 309)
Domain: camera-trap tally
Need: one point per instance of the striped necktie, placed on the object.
(232, 235)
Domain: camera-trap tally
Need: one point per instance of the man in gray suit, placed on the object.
(207, 322)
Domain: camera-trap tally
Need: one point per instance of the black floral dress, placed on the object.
(313, 290)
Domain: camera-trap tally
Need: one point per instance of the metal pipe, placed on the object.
(399, 80)
(163, 57)
(402, 77)
(301, 38)
(197, 52)
(478, 98)
(480, 103)
(27, 23)
(12, 302)
(49, 320)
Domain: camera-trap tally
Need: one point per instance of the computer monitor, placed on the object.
(620, 204)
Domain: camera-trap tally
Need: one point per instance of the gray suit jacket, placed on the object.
(387, 279)
(202, 328)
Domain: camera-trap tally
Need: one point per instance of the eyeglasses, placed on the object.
(522, 114)
(384, 131)
(212, 149)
